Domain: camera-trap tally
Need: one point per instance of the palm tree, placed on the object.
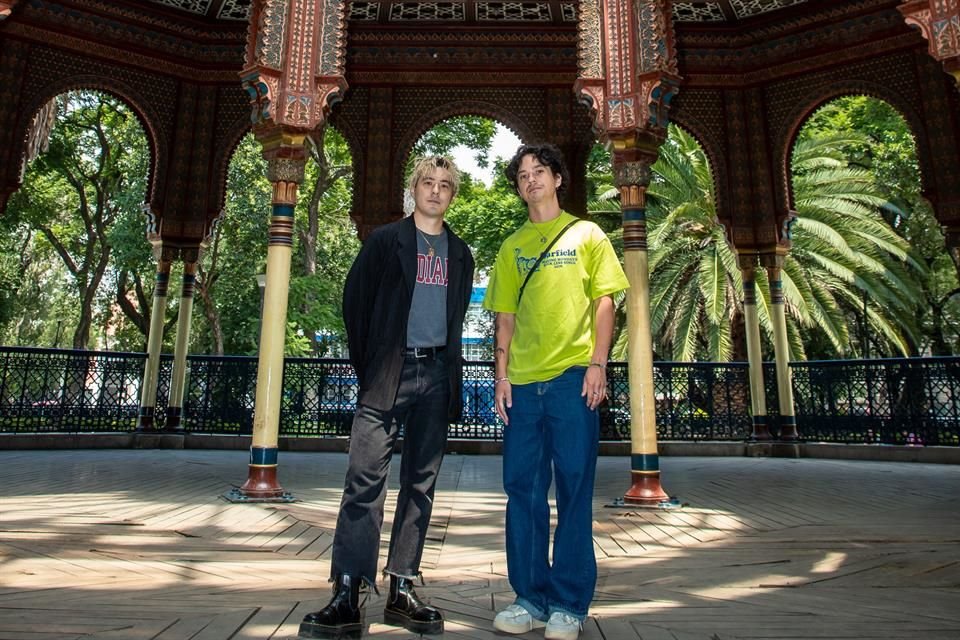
(842, 250)
(845, 251)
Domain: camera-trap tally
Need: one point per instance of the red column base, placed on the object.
(760, 434)
(646, 490)
(262, 483)
(788, 429)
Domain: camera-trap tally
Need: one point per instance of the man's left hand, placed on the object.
(594, 386)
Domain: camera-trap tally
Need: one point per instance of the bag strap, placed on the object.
(543, 254)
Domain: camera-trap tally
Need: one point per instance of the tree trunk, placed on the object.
(141, 319)
(204, 286)
(87, 290)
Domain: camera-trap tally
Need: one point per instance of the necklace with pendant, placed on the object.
(430, 251)
(543, 238)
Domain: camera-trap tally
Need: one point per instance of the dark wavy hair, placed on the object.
(548, 155)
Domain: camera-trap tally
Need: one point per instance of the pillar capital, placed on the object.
(191, 257)
(286, 168)
(631, 172)
(747, 260)
(627, 66)
(165, 254)
(939, 22)
(774, 257)
(294, 66)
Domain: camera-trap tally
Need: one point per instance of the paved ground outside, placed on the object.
(137, 544)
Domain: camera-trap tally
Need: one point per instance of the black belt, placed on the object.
(423, 352)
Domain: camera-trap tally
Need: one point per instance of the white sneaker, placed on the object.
(562, 626)
(516, 619)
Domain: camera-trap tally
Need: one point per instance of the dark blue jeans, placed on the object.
(552, 433)
(421, 405)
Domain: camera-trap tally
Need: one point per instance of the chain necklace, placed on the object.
(543, 238)
(430, 251)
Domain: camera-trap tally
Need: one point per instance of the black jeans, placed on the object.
(421, 404)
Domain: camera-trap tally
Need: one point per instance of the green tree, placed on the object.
(842, 247)
(473, 132)
(93, 175)
(227, 289)
(326, 244)
(888, 150)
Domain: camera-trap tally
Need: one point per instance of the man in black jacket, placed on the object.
(404, 304)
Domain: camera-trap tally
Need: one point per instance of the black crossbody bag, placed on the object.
(543, 254)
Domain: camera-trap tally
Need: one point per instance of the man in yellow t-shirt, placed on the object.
(553, 331)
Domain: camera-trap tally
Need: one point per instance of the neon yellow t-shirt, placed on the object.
(554, 328)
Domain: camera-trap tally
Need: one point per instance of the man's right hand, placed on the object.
(503, 399)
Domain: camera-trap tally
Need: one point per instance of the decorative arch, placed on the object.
(785, 143)
(140, 106)
(221, 165)
(444, 112)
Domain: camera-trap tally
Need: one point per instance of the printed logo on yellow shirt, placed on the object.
(554, 259)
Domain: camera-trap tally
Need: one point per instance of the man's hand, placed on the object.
(594, 386)
(503, 399)
(503, 325)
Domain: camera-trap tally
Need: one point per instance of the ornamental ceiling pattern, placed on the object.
(481, 11)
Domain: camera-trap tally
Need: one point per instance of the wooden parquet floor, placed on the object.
(137, 545)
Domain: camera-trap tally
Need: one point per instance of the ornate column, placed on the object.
(632, 178)
(751, 320)
(628, 75)
(164, 255)
(939, 22)
(191, 256)
(788, 421)
(293, 73)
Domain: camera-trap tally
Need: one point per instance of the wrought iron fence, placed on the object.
(904, 401)
(44, 390)
(912, 401)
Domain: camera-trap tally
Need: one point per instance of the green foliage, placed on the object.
(484, 217)
(327, 243)
(843, 249)
(887, 149)
(91, 178)
(227, 288)
(73, 254)
(474, 132)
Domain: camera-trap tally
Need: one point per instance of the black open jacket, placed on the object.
(376, 305)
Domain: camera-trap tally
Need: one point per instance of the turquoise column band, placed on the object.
(282, 209)
(263, 455)
(634, 215)
(281, 225)
(644, 462)
(163, 283)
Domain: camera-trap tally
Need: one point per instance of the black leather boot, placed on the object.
(340, 618)
(405, 609)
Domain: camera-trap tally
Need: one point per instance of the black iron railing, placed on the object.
(904, 401)
(912, 401)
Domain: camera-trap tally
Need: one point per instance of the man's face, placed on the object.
(536, 182)
(433, 193)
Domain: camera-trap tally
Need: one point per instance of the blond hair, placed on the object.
(427, 165)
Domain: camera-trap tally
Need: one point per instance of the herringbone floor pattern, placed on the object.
(139, 544)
